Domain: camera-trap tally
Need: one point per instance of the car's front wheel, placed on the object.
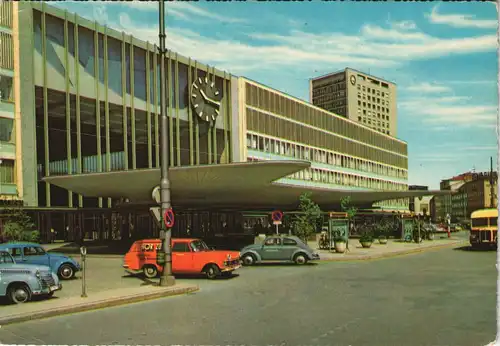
(300, 259)
(66, 271)
(150, 271)
(19, 293)
(212, 271)
(248, 260)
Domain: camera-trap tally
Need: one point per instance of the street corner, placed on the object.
(110, 298)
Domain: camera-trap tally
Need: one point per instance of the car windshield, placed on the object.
(199, 245)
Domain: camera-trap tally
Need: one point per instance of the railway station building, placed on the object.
(80, 148)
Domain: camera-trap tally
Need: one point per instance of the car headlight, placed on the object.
(37, 274)
(228, 257)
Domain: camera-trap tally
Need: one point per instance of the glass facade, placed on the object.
(97, 106)
(275, 112)
(343, 154)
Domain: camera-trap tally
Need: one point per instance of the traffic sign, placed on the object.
(277, 215)
(276, 223)
(169, 218)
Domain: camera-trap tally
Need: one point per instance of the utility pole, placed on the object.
(166, 279)
(492, 181)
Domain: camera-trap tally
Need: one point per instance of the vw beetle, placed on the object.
(33, 253)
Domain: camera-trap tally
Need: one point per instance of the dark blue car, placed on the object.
(31, 253)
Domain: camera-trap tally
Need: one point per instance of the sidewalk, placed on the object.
(393, 248)
(60, 306)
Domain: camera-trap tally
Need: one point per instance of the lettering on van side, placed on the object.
(150, 247)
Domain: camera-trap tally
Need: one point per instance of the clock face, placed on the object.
(205, 99)
(353, 80)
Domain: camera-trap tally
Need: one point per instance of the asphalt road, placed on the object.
(444, 297)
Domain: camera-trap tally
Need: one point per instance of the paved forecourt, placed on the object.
(442, 297)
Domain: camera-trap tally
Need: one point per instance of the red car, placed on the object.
(189, 256)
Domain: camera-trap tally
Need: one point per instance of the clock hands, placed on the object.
(208, 99)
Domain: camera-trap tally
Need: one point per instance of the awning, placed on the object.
(235, 185)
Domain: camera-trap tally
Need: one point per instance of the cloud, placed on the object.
(100, 13)
(448, 111)
(386, 46)
(428, 88)
(404, 25)
(480, 148)
(181, 10)
(463, 146)
(460, 20)
(472, 82)
(297, 50)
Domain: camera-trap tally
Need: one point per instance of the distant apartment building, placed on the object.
(359, 97)
(474, 195)
(472, 192)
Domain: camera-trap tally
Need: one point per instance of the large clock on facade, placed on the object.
(353, 80)
(205, 99)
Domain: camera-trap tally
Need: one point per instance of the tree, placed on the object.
(19, 226)
(306, 221)
(345, 204)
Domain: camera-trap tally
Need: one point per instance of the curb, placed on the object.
(393, 254)
(99, 304)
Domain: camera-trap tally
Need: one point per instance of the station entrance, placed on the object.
(218, 228)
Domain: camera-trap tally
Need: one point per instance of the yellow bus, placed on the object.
(484, 227)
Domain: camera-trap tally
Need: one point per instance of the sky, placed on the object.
(442, 57)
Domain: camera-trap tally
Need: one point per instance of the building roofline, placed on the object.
(351, 69)
(325, 111)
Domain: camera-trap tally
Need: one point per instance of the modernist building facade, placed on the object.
(358, 96)
(78, 97)
(344, 153)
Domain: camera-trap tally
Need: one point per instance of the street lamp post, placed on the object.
(166, 279)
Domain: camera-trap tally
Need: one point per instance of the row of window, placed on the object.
(6, 51)
(372, 99)
(328, 89)
(375, 92)
(285, 106)
(331, 105)
(329, 97)
(6, 88)
(284, 148)
(368, 107)
(379, 126)
(328, 177)
(6, 14)
(273, 126)
(7, 172)
(6, 130)
(399, 202)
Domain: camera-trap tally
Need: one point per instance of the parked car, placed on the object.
(189, 256)
(32, 253)
(278, 248)
(20, 281)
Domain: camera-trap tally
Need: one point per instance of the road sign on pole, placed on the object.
(169, 218)
(277, 216)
